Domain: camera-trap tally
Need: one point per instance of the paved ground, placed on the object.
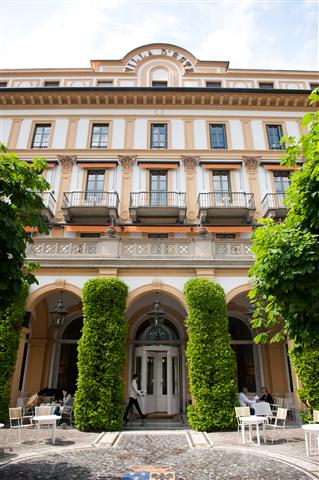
(164, 455)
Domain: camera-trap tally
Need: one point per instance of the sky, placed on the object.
(276, 34)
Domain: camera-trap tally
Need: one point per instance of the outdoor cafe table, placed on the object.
(252, 420)
(47, 420)
(311, 429)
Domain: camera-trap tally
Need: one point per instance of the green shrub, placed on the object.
(101, 356)
(211, 361)
(10, 326)
(305, 361)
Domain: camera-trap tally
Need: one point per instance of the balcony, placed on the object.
(158, 207)
(49, 203)
(273, 205)
(132, 252)
(93, 208)
(226, 208)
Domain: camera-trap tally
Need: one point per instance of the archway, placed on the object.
(156, 351)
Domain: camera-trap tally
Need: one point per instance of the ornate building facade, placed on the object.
(160, 166)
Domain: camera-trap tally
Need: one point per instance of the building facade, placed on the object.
(160, 166)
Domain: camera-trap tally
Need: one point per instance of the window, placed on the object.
(94, 186)
(282, 181)
(3, 84)
(158, 83)
(268, 85)
(158, 188)
(213, 84)
(41, 135)
(313, 86)
(221, 181)
(105, 83)
(100, 134)
(90, 235)
(226, 236)
(217, 135)
(274, 133)
(158, 135)
(51, 83)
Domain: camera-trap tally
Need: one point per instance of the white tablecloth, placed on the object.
(262, 408)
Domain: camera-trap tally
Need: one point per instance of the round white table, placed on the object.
(250, 421)
(47, 420)
(311, 429)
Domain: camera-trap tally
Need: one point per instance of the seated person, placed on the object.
(31, 402)
(265, 396)
(244, 400)
(51, 392)
(67, 401)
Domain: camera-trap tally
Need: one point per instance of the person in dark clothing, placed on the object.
(133, 394)
(265, 396)
(51, 392)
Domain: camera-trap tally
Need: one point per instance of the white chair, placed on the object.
(42, 410)
(241, 412)
(277, 422)
(67, 414)
(315, 414)
(17, 421)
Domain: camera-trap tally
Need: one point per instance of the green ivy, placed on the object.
(10, 325)
(306, 364)
(101, 356)
(211, 361)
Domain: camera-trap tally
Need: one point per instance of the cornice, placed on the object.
(207, 98)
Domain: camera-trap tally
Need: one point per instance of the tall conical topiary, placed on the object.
(211, 361)
(101, 356)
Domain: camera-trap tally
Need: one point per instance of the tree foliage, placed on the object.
(211, 361)
(20, 205)
(101, 356)
(286, 268)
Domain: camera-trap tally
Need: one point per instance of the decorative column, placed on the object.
(127, 162)
(251, 165)
(190, 162)
(66, 162)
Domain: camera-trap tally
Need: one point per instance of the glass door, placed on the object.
(158, 188)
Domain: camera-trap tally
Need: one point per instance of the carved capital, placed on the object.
(251, 163)
(190, 161)
(127, 161)
(66, 161)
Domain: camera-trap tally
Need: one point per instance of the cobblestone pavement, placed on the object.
(135, 451)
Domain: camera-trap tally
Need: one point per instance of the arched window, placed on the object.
(159, 77)
(149, 334)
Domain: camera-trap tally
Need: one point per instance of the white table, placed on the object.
(311, 429)
(262, 408)
(47, 420)
(250, 421)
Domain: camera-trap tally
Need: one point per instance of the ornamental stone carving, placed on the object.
(66, 161)
(127, 161)
(190, 161)
(251, 163)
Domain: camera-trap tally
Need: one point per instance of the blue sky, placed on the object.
(277, 34)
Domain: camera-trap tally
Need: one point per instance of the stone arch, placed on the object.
(237, 291)
(147, 66)
(40, 293)
(155, 287)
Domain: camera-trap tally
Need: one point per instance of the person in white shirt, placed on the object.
(244, 400)
(133, 394)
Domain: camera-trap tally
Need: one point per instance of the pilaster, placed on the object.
(127, 162)
(66, 162)
(190, 162)
(251, 165)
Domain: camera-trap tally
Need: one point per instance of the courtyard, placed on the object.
(142, 451)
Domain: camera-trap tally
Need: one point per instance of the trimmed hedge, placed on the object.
(101, 356)
(211, 361)
(305, 361)
(10, 325)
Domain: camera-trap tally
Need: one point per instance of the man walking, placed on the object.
(133, 394)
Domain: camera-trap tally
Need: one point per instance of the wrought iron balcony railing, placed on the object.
(273, 201)
(90, 199)
(226, 200)
(48, 200)
(158, 199)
